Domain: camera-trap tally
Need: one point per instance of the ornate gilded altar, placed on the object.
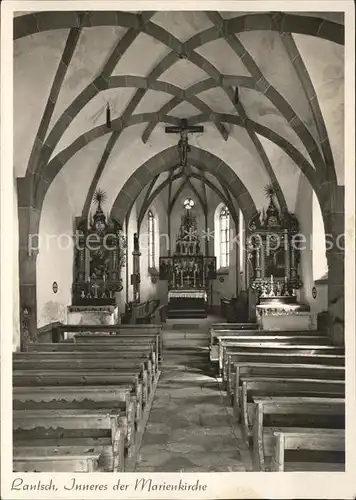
(99, 257)
(274, 256)
(188, 271)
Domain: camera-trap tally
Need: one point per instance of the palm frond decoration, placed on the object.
(99, 197)
(269, 191)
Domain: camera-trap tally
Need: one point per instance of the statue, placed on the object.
(183, 149)
(136, 243)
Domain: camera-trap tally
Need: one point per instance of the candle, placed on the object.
(271, 279)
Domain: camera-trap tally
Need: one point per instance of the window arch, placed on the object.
(151, 239)
(224, 236)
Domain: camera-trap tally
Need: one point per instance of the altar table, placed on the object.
(187, 303)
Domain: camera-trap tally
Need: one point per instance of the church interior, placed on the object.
(178, 295)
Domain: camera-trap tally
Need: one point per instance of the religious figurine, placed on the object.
(184, 149)
(136, 243)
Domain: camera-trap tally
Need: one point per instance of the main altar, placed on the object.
(188, 272)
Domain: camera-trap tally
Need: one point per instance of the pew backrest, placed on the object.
(270, 342)
(287, 370)
(291, 405)
(231, 332)
(243, 357)
(314, 356)
(95, 346)
(305, 439)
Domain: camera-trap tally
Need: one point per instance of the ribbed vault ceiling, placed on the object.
(155, 68)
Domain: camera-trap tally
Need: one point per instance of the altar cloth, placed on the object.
(187, 294)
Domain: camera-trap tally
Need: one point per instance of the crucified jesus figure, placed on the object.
(183, 146)
(183, 149)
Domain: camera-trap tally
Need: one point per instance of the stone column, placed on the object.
(335, 228)
(29, 246)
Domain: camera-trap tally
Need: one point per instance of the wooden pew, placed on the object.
(128, 345)
(215, 335)
(322, 372)
(270, 386)
(120, 339)
(320, 440)
(83, 360)
(253, 329)
(274, 414)
(99, 347)
(114, 329)
(334, 355)
(86, 368)
(59, 332)
(33, 458)
(284, 358)
(35, 378)
(81, 398)
(273, 346)
(35, 426)
(259, 340)
(148, 355)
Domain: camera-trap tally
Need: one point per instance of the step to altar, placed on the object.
(186, 313)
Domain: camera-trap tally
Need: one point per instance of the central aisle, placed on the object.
(190, 428)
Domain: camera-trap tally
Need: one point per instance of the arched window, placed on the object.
(151, 239)
(224, 228)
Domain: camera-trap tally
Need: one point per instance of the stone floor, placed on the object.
(191, 428)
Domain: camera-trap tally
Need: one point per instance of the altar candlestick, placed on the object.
(95, 286)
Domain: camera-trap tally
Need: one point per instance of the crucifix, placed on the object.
(183, 147)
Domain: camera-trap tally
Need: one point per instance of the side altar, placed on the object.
(98, 259)
(188, 272)
(274, 257)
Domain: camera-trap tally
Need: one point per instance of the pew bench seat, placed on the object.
(274, 414)
(311, 445)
